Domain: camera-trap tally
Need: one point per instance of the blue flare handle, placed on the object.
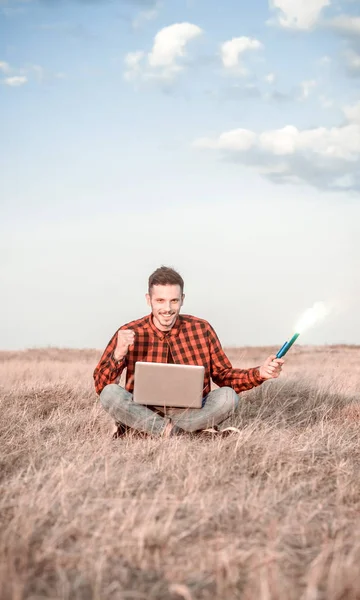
(284, 349)
(279, 354)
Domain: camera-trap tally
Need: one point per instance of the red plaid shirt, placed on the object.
(191, 341)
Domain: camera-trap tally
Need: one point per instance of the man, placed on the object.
(168, 337)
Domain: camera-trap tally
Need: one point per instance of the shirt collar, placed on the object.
(162, 334)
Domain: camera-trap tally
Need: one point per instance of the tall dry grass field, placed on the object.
(272, 513)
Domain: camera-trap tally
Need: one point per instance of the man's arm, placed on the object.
(108, 369)
(222, 372)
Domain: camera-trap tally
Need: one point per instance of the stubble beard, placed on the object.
(165, 322)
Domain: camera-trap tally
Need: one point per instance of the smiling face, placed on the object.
(166, 302)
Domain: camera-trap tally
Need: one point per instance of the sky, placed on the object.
(219, 138)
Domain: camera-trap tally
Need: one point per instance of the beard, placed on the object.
(166, 317)
(166, 320)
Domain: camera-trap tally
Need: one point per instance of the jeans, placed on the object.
(217, 406)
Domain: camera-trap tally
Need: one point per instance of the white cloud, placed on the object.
(233, 50)
(270, 78)
(162, 61)
(324, 157)
(170, 43)
(16, 80)
(298, 14)
(236, 140)
(146, 15)
(39, 72)
(348, 27)
(306, 87)
(326, 102)
(352, 61)
(4, 66)
(352, 113)
(19, 76)
(345, 24)
(133, 64)
(324, 61)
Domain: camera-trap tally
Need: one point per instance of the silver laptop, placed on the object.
(162, 384)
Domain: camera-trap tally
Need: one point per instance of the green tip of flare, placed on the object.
(286, 347)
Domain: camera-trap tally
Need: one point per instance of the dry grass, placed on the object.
(270, 514)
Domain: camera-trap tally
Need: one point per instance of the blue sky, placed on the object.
(219, 138)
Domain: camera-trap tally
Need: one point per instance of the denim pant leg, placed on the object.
(119, 403)
(217, 406)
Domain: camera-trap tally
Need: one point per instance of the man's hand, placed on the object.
(125, 339)
(271, 368)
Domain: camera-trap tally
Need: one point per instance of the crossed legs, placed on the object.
(217, 406)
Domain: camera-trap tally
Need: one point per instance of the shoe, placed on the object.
(171, 430)
(229, 431)
(210, 430)
(120, 430)
(176, 431)
(222, 432)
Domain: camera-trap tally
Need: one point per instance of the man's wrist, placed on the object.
(258, 375)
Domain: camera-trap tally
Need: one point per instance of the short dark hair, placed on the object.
(166, 276)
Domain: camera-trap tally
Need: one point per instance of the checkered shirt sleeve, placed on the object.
(222, 372)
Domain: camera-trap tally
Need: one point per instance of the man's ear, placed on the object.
(182, 299)
(147, 296)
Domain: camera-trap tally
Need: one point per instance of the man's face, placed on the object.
(166, 302)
